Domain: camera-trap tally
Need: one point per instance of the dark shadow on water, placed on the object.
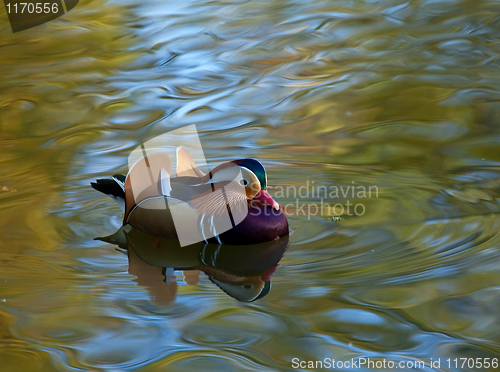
(242, 271)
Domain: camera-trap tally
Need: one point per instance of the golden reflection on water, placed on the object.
(401, 96)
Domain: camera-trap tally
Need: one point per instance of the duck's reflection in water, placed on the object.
(241, 271)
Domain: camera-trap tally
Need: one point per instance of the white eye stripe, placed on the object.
(252, 174)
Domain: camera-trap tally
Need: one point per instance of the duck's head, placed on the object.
(250, 177)
(255, 181)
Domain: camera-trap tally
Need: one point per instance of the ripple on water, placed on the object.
(363, 327)
(123, 347)
(472, 316)
(210, 360)
(23, 357)
(135, 119)
(231, 328)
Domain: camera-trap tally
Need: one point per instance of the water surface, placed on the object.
(399, 96)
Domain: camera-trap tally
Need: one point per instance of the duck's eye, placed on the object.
(243, 182)
(247, 286)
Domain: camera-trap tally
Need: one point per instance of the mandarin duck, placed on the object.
(228, 205)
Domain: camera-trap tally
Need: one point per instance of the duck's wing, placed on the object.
(148, 177)
(221, 198)
(199, 219)
(186, 167)
(191, 208)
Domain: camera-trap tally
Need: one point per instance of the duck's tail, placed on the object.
(114, 187)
